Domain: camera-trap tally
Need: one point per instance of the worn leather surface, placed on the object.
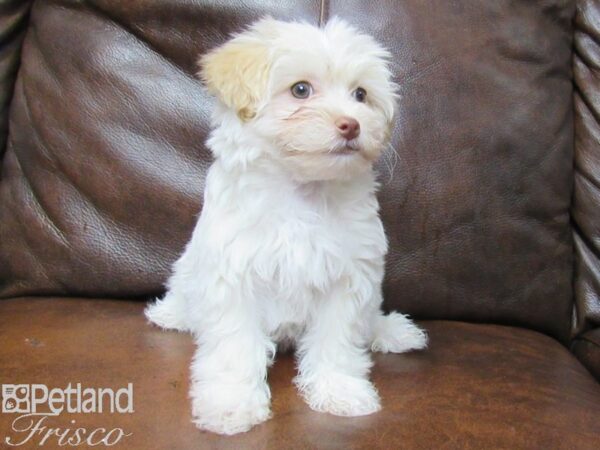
(477, 210)
(477, 386)
(13, 23)
(104, 172)
(586, 199)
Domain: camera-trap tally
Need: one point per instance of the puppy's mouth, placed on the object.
(346, 148)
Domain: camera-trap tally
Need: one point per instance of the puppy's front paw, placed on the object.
(340, 394)
(229, 409)
(396, 333)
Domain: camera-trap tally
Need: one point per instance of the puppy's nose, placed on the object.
(348, 127)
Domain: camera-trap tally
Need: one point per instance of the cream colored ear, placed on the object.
(237, 73)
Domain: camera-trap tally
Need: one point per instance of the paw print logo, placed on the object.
(15, 398)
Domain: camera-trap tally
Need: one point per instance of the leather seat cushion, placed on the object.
(477, 386)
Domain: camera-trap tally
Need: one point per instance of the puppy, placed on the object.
(289, 247)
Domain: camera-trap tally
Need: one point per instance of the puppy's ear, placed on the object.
(238, 72)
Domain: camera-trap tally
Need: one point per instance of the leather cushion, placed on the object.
(13, 23)
(586, 197)
(103, 176)
(477, 386)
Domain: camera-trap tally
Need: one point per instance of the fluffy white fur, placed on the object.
(289, 247)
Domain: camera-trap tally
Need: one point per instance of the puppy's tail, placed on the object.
(168, 312)
(396, 333)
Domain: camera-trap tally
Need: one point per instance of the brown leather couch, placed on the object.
(492, 210)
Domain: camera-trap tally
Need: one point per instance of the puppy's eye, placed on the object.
(302, 89)
(359, 94)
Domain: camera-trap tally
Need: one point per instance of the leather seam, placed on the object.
(583, 339)
(323, 12)
(16, 36)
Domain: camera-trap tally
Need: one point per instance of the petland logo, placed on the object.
(36, 402)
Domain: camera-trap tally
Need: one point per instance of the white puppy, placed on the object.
(289, 247)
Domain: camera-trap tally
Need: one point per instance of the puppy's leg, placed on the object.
(396, 333)
(229, 389)
(334, 363)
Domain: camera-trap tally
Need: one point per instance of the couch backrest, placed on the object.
(103, 174)
(13, 23)
(586, 196)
